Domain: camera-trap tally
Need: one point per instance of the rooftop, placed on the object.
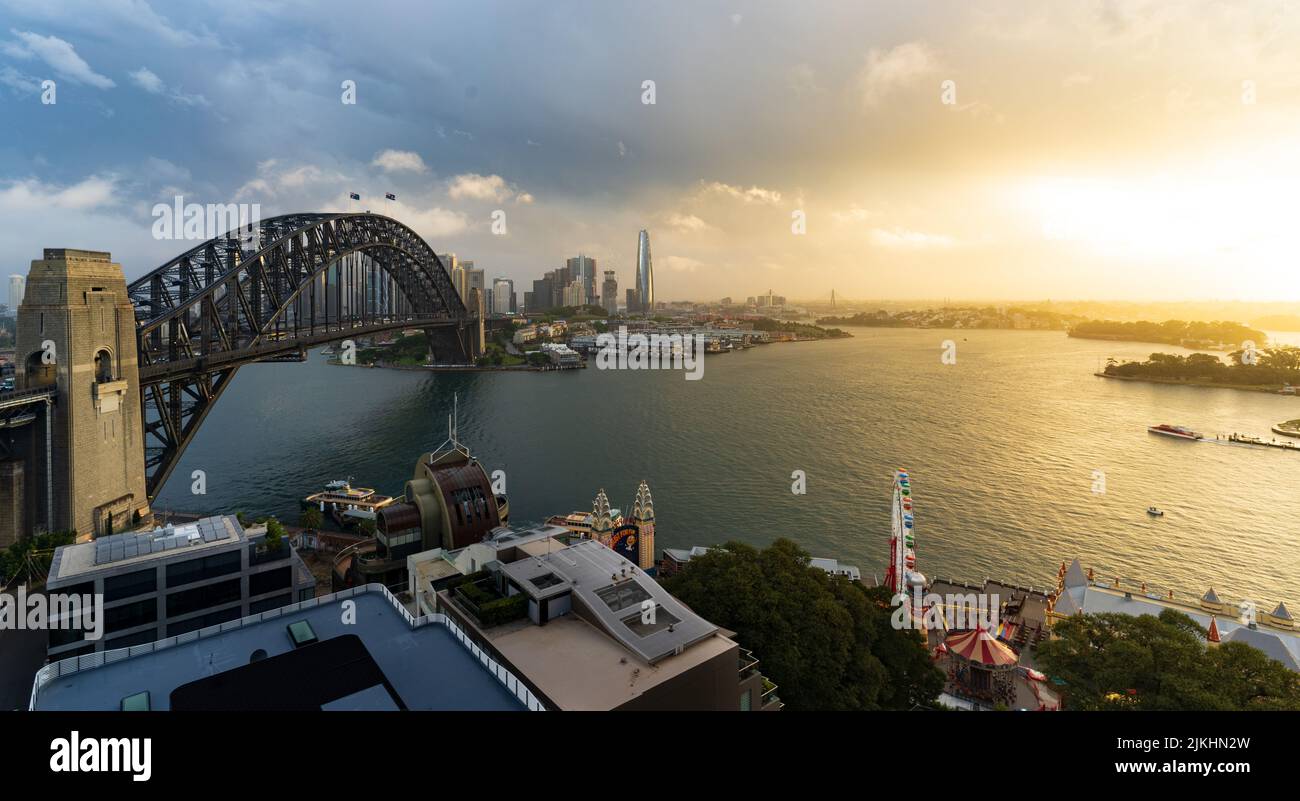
(1278, 643)
(613, 591)
(302, 656)
(79, 560)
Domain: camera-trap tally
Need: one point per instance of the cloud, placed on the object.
(29, 194)
(58, 55)
(399, 161)
(275, 181)
(679, 264)
(754, 194)
(20, 82)
(147, 80)
(685, 222)
(886, 72)
(803, 80)
(622, 149)
(434, 222)
(1076, 79)
(904, 239)
(854, 213)
(472, 186)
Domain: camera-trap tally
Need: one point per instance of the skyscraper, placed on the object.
(17, 285)
(474, 279)
(584, 267)
(503, 296)
(645, 277)
(609, 293)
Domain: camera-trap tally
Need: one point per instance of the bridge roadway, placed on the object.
(283, 345)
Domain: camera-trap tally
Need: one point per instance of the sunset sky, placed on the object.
(1109, 150)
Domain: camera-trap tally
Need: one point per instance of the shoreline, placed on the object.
(1271, 390)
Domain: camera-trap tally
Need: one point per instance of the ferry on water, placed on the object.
(1174, 431)
(346, 504)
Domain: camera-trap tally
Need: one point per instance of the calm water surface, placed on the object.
(1001, 447)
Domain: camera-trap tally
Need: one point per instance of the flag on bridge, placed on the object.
(390, 196)
(354, 196)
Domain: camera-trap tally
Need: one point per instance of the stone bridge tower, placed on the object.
(76, 329)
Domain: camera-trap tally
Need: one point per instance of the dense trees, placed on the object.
(1271, 367)
(1170, 332)
(826, 641)
(1116, 661)
(29, 559)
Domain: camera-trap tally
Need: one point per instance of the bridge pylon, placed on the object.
(77, 332)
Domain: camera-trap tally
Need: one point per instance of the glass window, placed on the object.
(130, 615)
(269, 581)
(203, 621)
(746, 703)
(138, 583)
(192, 570)
(301, 633)
(186, 601)
(274, 602)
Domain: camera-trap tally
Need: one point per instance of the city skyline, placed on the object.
(1146, 157)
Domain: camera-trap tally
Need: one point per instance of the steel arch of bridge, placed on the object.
(267, 292)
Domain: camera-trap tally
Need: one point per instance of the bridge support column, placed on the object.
(452, 344)
(76, 330)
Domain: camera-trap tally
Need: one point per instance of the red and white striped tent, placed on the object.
(982, 648)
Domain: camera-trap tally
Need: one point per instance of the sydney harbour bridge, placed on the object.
(266, 292)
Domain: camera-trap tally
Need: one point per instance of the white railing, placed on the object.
(77, 664)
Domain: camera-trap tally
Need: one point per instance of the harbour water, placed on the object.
(1003, 447)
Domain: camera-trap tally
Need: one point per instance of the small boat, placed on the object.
(1174, 431)
(1154, 512)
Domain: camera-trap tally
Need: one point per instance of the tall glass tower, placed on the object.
(645, 277)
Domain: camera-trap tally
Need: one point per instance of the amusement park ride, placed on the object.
(902, 578)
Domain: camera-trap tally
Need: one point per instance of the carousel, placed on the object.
(980, 666)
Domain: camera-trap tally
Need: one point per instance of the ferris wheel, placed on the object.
(902, 576)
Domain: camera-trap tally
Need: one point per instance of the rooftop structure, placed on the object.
(1271, 633)
(175, 579)
(585, 628)
(376, 657)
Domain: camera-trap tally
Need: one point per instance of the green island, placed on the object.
(986, 317)
(1272, 370)
(1218, 335)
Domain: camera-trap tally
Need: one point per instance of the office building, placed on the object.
(17, 287)
(174, 580)
(576, 293)
(503, 296)
(585, 629)
(356, 650)
(645, 278)
(609, 293)
(583, 268)
(543, 289)
(474, 279)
